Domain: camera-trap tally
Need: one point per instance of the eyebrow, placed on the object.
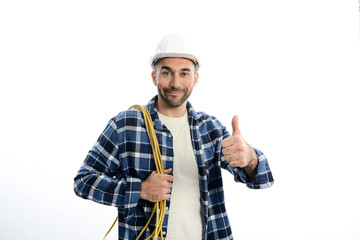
(169, 69)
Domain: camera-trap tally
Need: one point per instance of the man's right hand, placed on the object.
(157, 187)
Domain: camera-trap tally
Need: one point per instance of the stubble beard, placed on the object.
(164, 94)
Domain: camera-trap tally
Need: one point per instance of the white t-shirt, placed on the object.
(185, 216)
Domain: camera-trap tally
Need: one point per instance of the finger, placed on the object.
(237, 163)
(228, 150)
(235, 126)
(167, 171)
(170, 178)
(166, 177)
(234, 164)
(227, 142)
(232, 158)
(231, 141)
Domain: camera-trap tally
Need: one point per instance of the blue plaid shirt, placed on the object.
(122, 158)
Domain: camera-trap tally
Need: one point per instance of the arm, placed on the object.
(100, 178)
(248, 165)
(262, 178)
(250, 168)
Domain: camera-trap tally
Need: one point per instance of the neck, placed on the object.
(168, 111)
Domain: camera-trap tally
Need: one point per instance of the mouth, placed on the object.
(174, 93)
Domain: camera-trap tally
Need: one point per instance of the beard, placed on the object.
(174, 101)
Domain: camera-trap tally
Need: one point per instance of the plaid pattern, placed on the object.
(121, 158)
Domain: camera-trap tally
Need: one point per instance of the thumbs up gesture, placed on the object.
(237, 152)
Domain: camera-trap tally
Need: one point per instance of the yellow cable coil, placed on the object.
(159, 207)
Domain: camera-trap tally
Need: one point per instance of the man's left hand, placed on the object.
(237, 152)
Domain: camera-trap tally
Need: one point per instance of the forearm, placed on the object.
(95, 179)
(251, 168)
(98, 187)
(261, 175)
(122, 193)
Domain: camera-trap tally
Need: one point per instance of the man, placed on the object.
(120, 171)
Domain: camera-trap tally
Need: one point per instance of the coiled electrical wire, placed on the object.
(159, 207)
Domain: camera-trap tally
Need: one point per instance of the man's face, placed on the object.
(175, 79)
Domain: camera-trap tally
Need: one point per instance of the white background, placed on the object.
(289, 69)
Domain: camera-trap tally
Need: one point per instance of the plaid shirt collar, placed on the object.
(151, 106)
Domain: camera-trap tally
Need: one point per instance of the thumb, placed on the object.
(235, 126)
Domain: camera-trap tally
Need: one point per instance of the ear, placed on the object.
(196, 78)
(153, 76)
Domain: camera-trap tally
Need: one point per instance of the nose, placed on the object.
(175, 81)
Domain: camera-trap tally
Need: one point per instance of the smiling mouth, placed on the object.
(174, 93)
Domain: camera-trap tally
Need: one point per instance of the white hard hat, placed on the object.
(175, 45)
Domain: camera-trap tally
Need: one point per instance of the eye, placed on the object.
(166, 73)
(184, 74)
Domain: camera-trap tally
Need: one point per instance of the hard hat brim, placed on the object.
(160, 56)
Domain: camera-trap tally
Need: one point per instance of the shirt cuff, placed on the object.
(263, 178)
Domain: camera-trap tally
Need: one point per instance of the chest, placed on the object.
(192, 142)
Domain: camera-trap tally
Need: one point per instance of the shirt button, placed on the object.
(167, 208)
(164, 233)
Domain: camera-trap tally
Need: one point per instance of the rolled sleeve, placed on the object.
(263, 178)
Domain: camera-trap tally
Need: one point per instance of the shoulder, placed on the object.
(209, 120)
(128, 114)
(127, 118)
(211, 125)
